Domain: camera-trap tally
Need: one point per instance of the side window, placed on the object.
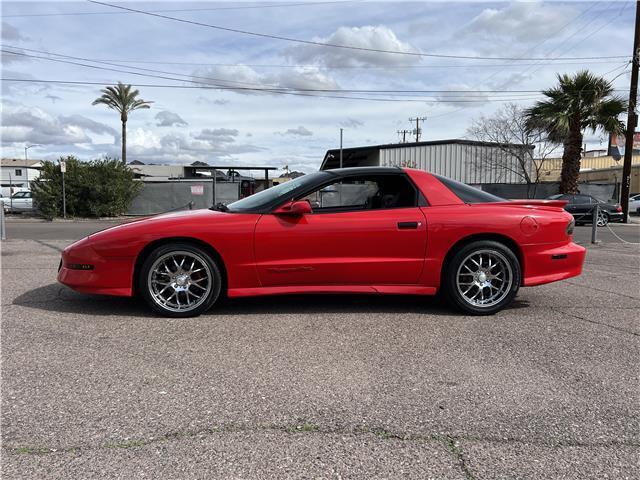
(582, 199)
(371, 192)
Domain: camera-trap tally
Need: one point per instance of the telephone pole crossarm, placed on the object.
(418, 130)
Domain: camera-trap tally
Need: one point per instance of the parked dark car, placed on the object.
(581, 207)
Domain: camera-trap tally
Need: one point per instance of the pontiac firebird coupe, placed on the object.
(380, 230)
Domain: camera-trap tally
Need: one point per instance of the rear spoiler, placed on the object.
(539, 203)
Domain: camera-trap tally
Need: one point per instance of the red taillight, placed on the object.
(618, 208)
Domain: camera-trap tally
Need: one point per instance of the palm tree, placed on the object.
(123, 99)
(579, 102)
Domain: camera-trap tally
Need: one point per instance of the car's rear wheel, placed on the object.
(603, 218)
(483, 277)
(179, 280)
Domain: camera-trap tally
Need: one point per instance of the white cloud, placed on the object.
(206, 145)
(34, 125)
(88, 124)
(217, 135)
(378, 37)
(228, 76)
(304, 79)
(140, 139)
(522, 21)
(351, 123)
(166, 118)
(300, 131)
(11, 33)
(247, 80)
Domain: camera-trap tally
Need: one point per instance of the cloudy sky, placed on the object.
(226, 97)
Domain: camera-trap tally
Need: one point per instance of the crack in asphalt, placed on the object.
(451, 442)
(48, 245)
(620, 329)
(601, 290)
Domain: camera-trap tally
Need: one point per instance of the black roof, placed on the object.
(363, 170)
(335, 152)
(458, 141)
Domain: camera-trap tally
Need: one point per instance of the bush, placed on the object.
(98, 188)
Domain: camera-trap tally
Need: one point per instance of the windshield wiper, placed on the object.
(219, 207)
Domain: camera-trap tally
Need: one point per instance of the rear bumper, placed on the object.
(546, 264)
(616, 217)
(109, 276)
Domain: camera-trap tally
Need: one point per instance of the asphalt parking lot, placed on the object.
(320, 387)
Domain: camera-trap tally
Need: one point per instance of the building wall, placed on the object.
(613, 176)
(461, 162)
(16, 176)
(551, 168)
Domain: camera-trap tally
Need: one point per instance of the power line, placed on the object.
(253, 86)
(589, 35)
(243, 7)
(355, 67)
(205, 87)
(333, 45)
(583, 13)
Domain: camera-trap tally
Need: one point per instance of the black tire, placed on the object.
(180, 282)
(455, 272)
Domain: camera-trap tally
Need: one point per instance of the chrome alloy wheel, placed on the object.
(180, 281)
(484, 278)
(602, 219)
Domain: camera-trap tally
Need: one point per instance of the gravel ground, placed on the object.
(321, 387)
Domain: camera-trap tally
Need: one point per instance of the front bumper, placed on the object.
(109, 276)
(546, 264)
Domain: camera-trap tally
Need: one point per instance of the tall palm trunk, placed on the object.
(124, 142)
(571, 159)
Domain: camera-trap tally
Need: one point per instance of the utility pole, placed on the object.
(417, 130)
(63, 169)
(404, 135)
(341, 147)
(632, 120)
(26, 162)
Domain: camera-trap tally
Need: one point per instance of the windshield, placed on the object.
(273, 196)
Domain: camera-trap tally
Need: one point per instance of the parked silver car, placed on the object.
(19, 202)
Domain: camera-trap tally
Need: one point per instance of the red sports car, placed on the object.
(352, 230)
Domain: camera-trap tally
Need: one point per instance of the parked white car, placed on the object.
(19, 202)
(634, 204)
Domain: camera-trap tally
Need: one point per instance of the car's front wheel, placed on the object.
(179, 280)
(482, 278)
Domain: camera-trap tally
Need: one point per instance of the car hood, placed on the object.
(166, 219)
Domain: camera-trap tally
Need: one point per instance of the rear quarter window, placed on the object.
(467, 193)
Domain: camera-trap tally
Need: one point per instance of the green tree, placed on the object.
(99, 188)
(124, 100)
(579, 102)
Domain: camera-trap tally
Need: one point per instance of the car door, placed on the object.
(582, 206)
(361, 232)
(17, 202)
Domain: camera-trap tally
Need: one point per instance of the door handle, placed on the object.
(408, 225)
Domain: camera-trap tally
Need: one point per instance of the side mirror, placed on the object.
(298, 208)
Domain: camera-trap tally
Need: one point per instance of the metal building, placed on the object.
(468, 161)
